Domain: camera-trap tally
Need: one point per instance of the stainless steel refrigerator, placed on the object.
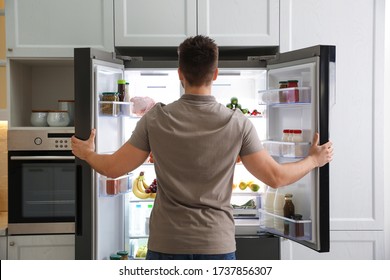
(106, 223)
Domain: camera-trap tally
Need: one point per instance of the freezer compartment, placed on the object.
(115, 186)
(287, 149)
(285, 95)
(286, 227)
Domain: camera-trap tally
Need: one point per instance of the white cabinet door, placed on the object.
(41, 247)
(154, 23)
(344, 245)
(240, 23)
(52, 28)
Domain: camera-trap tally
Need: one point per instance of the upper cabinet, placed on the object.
(154, 22)
(240, 23)
(52, 28)
(167, 23)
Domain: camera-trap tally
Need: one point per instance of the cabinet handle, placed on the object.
(12, 243)
(10, 49)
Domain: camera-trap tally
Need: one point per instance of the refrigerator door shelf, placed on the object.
(296, 230)
(287, 149)
(117, 186)
(285, 96)
(117, 109)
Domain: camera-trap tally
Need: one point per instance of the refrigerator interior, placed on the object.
(301, 114)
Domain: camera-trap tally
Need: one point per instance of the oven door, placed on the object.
(41, 193)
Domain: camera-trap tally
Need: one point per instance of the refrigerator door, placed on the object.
(101, 225)
(302, 107)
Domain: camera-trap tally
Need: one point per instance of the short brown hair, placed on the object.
(198, 59)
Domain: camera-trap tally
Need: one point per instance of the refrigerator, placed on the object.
(107, 223)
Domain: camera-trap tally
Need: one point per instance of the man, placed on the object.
(195, 142)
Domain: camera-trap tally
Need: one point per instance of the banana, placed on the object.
(138, 187)
(145, 185)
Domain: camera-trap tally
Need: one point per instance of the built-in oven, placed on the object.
(41, 181)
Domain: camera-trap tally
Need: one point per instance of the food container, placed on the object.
(112, 187)
(58, 118)
(67, 105)
(123, 254)
(39, 117)
(107, 104)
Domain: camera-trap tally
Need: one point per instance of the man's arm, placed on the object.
(124, 160)
(274, 174)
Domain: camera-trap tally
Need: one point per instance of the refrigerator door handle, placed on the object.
(79, 192)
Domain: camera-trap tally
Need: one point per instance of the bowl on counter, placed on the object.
(58, 118)
(39, 117)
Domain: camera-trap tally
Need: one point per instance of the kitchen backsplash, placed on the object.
(3, 167)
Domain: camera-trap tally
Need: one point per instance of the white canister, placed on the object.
(39, 118)
(67, 105)
(58, 118)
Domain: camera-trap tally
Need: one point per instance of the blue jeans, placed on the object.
(151, 255)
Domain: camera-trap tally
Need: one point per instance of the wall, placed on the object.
(3, 124)
(387, 132)
(356, 28)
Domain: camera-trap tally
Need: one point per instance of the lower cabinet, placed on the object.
(3, 247)
(344, 245)
(41, 247)
(257, 247)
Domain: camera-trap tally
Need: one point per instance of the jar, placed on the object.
(108, 108)
(288, 212)
(115, 257)
(39, 117)
(293, 92)
(112, 187)
(297, 136)
(67, 105)
(121, 89)
(123, 254)
(286, 134)
(282, 93)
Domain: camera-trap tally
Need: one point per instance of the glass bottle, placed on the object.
(278, 210)
(269, 207)
(121, 89)
(288, 212)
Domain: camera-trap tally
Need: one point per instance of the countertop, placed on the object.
(3, 223)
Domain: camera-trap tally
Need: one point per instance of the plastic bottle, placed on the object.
(278, 210)
(269, 207)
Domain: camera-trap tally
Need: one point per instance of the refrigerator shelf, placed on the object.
(115, 186)
(285, 227)
(285, 96)
(287, 149)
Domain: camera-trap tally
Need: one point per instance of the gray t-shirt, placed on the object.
(195, 142)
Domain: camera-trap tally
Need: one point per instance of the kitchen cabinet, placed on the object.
(168, 23)
(37, 84)
(356, 178)
(41, 247)
(3, 247)
(52, 28)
